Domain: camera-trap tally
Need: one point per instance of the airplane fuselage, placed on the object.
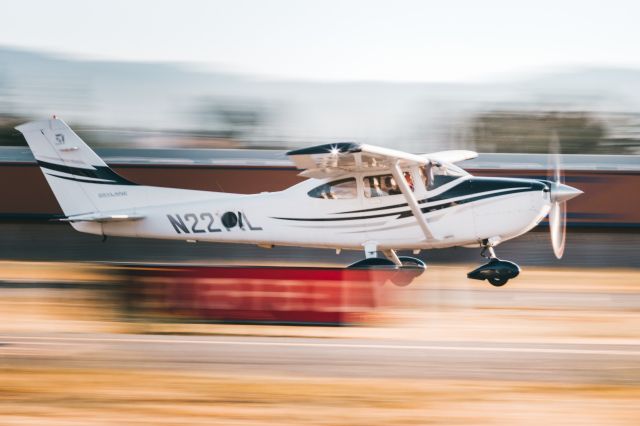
(461, 212)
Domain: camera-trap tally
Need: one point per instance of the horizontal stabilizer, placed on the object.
(98, 217)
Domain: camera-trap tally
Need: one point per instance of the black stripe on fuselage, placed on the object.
(98, 172)
(408, 213)
(336, 219)
(470, 186)
(430, 209)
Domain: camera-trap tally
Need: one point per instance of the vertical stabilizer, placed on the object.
(81, 182)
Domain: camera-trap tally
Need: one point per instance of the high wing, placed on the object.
(452, 156)
(332, 160)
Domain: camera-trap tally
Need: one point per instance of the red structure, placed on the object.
(275, 295)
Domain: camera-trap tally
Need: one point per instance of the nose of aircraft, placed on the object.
(561, 192)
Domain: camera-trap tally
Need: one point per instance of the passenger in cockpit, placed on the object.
(392, 186)
(376, 190)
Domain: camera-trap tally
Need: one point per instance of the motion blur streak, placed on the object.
(167, 105)
(34, 340)
(86, 340)
(559, 343)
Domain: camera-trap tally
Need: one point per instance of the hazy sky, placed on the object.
(399, 40)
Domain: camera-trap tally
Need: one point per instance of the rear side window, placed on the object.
(336, 190)
(381, 185)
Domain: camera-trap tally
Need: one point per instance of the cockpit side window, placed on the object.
(336, 190)
(381, 185)
(436, 175)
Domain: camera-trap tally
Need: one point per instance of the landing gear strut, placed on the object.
(488, 248)
(496, 271)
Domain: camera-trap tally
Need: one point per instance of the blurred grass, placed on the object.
(47, 386)
(97, 397)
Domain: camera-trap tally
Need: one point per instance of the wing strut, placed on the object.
(411, 200)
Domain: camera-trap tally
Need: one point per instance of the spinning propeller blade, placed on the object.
(560, 194)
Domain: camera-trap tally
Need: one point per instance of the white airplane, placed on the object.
(357, 197)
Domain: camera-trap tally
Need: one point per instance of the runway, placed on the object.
(336, 358)
(567, 326)
(553, 345)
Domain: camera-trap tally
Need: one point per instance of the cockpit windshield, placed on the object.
(436, 175)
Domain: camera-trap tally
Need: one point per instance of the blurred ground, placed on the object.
(116, 396)
(554, 346)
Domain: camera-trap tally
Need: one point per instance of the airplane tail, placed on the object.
(81, 182)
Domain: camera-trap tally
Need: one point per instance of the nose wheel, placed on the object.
(497, 271)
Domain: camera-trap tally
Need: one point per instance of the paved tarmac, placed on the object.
(354, 358)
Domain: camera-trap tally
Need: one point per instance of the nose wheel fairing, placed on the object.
(496, 271)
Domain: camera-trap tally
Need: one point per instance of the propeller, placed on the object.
(559, 195)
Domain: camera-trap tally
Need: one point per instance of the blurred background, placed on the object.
(210, 95)
(421, 77)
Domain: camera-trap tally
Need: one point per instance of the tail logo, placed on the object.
(59, 139)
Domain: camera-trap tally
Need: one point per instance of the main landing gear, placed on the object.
(496, 271)
(407, 268)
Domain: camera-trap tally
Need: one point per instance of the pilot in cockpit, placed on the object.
(376, 190)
